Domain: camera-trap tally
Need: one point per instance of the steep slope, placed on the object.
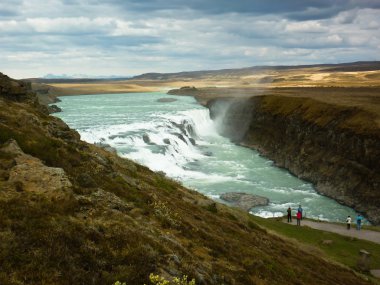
(72, 213)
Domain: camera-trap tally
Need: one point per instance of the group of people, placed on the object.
(359, 219)
(299, 215)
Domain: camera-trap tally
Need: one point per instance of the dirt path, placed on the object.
(342, 230)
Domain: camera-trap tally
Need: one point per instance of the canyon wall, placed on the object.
(334, 147)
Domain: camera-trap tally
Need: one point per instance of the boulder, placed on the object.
(54, 109)
(166, 100)
(244, 201)
(31, 175)
(364, 261)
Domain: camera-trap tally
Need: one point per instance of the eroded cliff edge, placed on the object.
(337, 148)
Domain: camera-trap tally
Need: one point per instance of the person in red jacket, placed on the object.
(299, 217)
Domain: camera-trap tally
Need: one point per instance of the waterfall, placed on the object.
(163, 142)
(201, 122)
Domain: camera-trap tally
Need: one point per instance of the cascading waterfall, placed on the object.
(180, 139)
(169, 143)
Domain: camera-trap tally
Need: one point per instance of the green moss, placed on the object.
(165, 183)
(6, 134)
(211, 208)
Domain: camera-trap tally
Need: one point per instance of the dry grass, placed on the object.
(62, 89)
(308, 77)
(266, 78)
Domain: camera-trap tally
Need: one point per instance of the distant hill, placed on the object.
(72, 80)
(353, 66)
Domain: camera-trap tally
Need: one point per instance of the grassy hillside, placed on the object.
(72, 213)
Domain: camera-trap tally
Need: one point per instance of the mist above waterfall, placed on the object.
(228, 113)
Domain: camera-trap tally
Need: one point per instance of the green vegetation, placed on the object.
(159, 280)
(342, 249)
(167, 216)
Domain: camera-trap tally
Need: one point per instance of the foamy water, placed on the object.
(180, 139)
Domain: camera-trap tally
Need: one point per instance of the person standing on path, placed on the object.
(300, 210)
(299, 217)
(348, 221)
(359, 222)
(289, 215)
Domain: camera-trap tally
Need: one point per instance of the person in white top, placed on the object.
(348, 221)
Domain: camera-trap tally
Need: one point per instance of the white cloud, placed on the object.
(306, 27)
(334, 39)
(93, 37)
(13, 26)
(71, 25)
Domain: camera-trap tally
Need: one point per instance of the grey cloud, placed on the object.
(8, 12)
(292, 9)
(314, 14)
(225, 6)
(157, 35)
(108, 42)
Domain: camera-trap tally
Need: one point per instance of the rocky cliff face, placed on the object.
(15, 90)
(336, 148)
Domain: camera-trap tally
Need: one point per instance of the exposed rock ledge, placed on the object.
(31, 175)
(244, 201)
(54, 109)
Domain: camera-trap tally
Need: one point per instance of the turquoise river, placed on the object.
(180, 139)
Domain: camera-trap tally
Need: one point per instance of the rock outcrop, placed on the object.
(336, 148)
(166, 100)
(30, 174)
(54, 109)
(244, 201)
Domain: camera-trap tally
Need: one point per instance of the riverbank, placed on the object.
(328, 136)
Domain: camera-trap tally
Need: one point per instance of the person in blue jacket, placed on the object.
(359, 219)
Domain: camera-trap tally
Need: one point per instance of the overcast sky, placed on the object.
(130, 37)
